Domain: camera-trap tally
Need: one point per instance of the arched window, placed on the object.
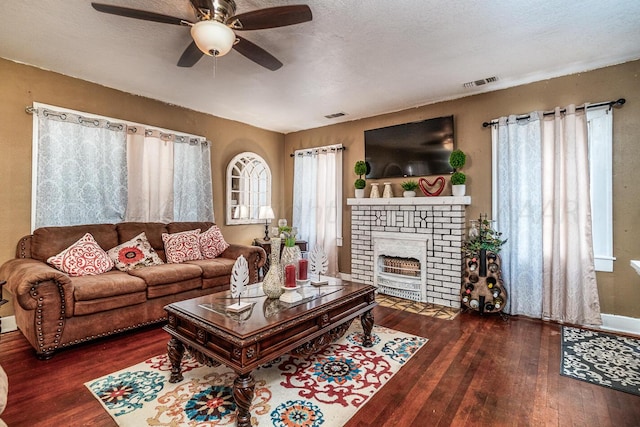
(248, 188)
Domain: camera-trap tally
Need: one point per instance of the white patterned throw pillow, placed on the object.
(135, 253)
(83, 258)
(212, 243)
(181, 247)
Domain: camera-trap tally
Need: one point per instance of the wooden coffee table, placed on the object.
(243, 341)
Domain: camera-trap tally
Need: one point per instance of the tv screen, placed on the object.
(411, 149)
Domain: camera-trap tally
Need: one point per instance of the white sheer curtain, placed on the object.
(169, 177)
(74, 157)
(317, 198)
(150, 169)
(542, 206)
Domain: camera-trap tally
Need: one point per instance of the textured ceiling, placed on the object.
(361, 57)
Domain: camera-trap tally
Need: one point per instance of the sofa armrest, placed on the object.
(31, 282)
(255, 256)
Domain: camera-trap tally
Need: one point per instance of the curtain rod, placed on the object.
(611, 104)
(324, 150)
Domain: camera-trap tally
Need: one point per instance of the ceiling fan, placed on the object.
(214, 32)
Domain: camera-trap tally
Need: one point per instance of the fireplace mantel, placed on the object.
(410, 201)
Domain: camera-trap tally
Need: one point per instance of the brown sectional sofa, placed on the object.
(54, 310)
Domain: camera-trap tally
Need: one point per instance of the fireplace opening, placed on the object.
(400, 277)
(401, 266)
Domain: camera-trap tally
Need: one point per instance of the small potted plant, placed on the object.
(409, 188)
(457, 159)
(360, 169)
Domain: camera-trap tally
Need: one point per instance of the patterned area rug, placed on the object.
(323, 389)
(603, 359)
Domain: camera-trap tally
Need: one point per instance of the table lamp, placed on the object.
(267, 214)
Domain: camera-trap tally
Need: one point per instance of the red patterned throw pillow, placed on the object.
(181, 247)
(135, 253)
(84, 258)
(212, 243)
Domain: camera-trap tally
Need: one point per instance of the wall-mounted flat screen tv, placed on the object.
(410, 149)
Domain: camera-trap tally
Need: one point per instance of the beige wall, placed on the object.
(620, 290)
(21, 85)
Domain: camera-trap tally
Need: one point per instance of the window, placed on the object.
(600, 135)
(89, 169)
(248, 188)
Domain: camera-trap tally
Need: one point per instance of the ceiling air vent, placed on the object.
(335, 115)
(481, 82)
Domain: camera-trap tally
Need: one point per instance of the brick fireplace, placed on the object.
(409, 247)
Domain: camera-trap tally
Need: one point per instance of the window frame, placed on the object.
(601, 185)
(251, 171)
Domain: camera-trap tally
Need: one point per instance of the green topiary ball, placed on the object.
(458, 178)
(457, 159)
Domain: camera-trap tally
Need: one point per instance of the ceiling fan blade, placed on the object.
(138, 14)
(256, 54)
(271, 17)
(190, 56)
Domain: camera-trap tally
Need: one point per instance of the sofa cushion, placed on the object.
(105, 285)
(135, 253)
(181, 247)
(169, 279)
(214, 267)
(212, 243)
(168, 273)
(84, 257)
(98, 305)
(49, 241)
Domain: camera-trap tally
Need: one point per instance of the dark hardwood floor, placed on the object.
(474, 371)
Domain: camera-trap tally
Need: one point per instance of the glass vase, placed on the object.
(290, 255)
(272, 282)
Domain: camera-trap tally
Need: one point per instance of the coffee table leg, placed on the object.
(175, 351)
(367, 325)
(243, 389)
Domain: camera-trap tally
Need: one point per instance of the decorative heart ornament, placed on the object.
(425, 185)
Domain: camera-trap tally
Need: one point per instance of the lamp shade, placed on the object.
(212, 37)
(266, 212)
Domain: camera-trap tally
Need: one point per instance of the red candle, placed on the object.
(302, 269)
(290, 276)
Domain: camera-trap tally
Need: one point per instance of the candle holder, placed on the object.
(290, 295)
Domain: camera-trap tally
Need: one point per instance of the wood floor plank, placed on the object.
(474, 371)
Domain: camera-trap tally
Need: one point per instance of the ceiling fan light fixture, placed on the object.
(213, 38)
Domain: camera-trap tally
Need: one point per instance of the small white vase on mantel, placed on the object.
(388, 192)
(375, 192)
(409, 194)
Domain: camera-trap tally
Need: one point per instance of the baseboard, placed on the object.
(9, 324)
(623, 324)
